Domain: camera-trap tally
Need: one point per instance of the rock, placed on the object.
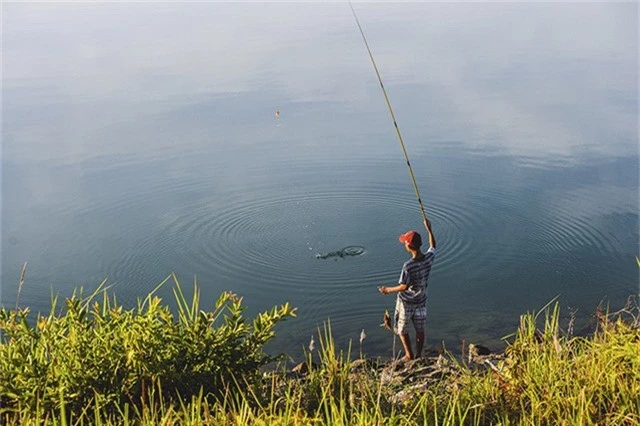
(387, 377)
(360, 365)
(477, 351)
(409, 392)
(432, 352)
(483, 350)
(442, 362)
(303, 368)
(418, 372)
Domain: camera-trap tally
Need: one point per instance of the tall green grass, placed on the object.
(547, 377)
(100, 364)
(96, 356)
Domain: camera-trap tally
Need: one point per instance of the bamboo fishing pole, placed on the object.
(393, 117)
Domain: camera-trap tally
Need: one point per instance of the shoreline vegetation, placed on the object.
(93, 362)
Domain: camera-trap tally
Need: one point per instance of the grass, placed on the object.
(96, 357)
(97, 363)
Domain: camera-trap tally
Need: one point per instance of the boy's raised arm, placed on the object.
(432, 239)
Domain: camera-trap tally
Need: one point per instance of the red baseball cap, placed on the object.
(412, 238)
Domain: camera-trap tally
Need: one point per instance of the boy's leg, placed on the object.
(419, 322)
(419, 343)
(406, 343)
(402, 328)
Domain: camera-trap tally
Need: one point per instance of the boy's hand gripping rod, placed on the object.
(386, 98)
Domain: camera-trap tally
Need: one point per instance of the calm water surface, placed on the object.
(141, 139)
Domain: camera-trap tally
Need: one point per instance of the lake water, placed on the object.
(142, 139)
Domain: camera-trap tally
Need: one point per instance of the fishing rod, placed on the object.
(393, 117)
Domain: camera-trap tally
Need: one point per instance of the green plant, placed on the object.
(546, 377)
(97, 355)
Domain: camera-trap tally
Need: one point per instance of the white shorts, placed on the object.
(405, 313)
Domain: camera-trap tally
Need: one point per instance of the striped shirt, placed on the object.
(415, 273)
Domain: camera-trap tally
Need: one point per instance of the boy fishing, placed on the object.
(411, 302)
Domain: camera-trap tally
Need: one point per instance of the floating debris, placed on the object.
(345, 252)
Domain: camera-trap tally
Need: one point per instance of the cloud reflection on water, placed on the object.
(537, 79)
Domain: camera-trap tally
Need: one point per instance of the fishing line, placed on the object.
(393, 117)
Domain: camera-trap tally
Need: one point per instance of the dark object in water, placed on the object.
(347, 251)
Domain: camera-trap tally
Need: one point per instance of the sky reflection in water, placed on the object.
(141, 139)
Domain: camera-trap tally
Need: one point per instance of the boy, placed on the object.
(411, 303)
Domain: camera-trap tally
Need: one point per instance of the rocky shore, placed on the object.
(405, 379)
